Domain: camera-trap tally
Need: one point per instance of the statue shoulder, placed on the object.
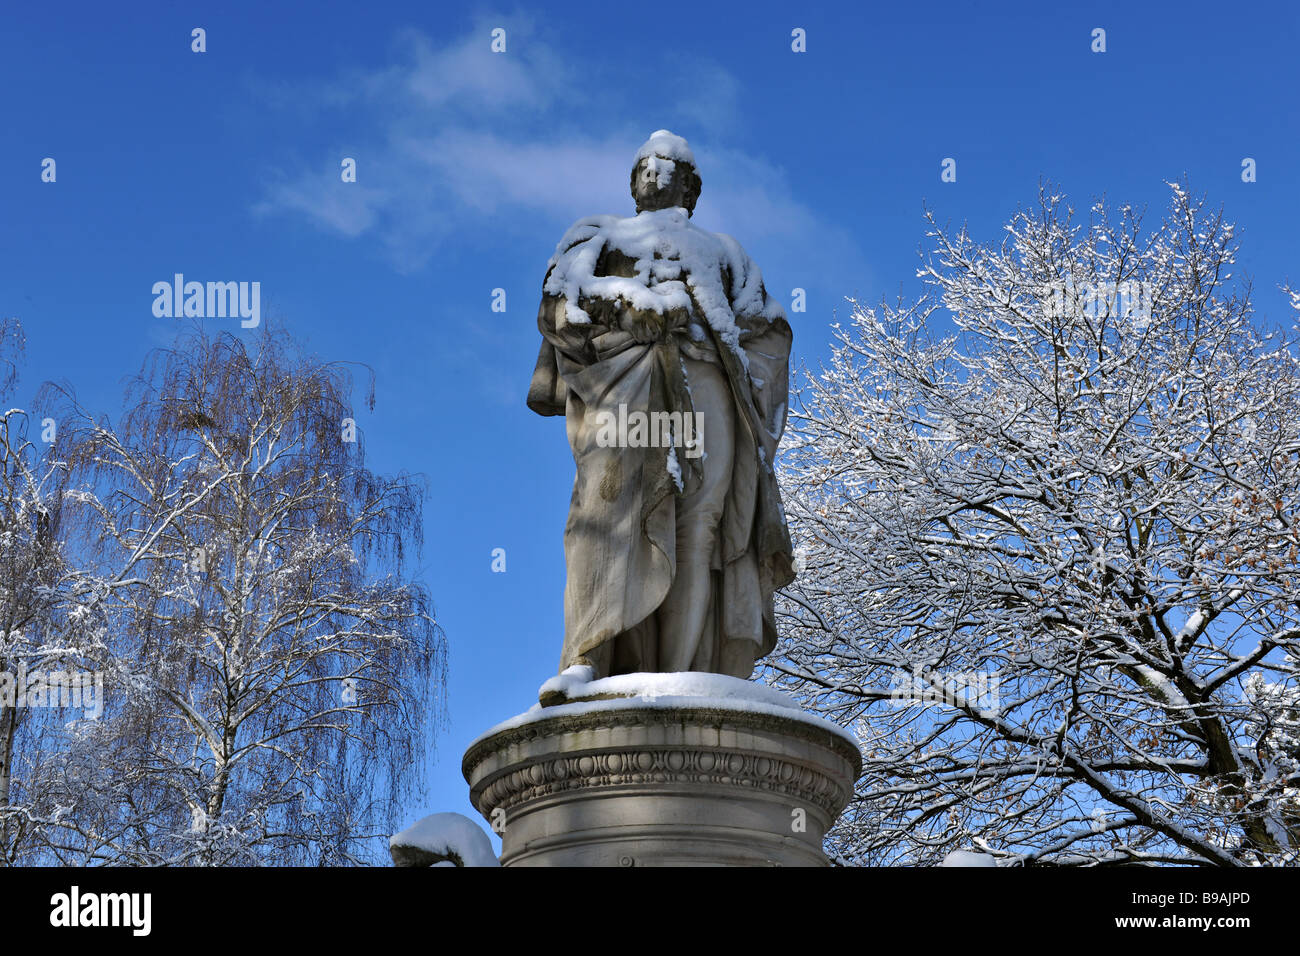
(584, 241)
(748, 295)
(582, 231)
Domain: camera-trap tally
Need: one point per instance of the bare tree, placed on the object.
(37, 639)
(1050, 558)
(274, 672)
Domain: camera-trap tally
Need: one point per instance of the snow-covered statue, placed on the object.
(670, 363)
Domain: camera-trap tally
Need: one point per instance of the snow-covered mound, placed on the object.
(442, 837)
(667, 144)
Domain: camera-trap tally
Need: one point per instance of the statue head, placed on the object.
(664, 174)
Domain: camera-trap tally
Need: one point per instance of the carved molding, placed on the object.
(552, 768)
(641, 766)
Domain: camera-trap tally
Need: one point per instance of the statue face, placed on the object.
(658, 184)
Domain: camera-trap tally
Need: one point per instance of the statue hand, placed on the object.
(644, 326)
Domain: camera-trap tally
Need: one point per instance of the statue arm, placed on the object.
(768, 351)
(766, 339)
(566, 344)
(547, 394)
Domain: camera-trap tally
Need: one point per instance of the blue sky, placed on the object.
(470, 165)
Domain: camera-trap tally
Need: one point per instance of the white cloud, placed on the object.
(462, 141)
(348, 212)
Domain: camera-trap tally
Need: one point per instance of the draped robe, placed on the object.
(619, 540)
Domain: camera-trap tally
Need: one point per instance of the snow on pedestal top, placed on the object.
(662, 691)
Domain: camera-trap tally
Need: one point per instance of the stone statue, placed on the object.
(670, 363)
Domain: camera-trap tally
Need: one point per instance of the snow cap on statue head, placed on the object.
(675, 173)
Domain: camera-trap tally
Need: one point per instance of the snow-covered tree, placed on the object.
(38, 638)
(275, 673)
(1049, 551)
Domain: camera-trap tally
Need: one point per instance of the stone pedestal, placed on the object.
(662, 782)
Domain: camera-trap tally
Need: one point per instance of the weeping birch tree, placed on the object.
(43, 648)
(275, 671)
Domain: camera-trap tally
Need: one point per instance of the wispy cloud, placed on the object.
(458, 140)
